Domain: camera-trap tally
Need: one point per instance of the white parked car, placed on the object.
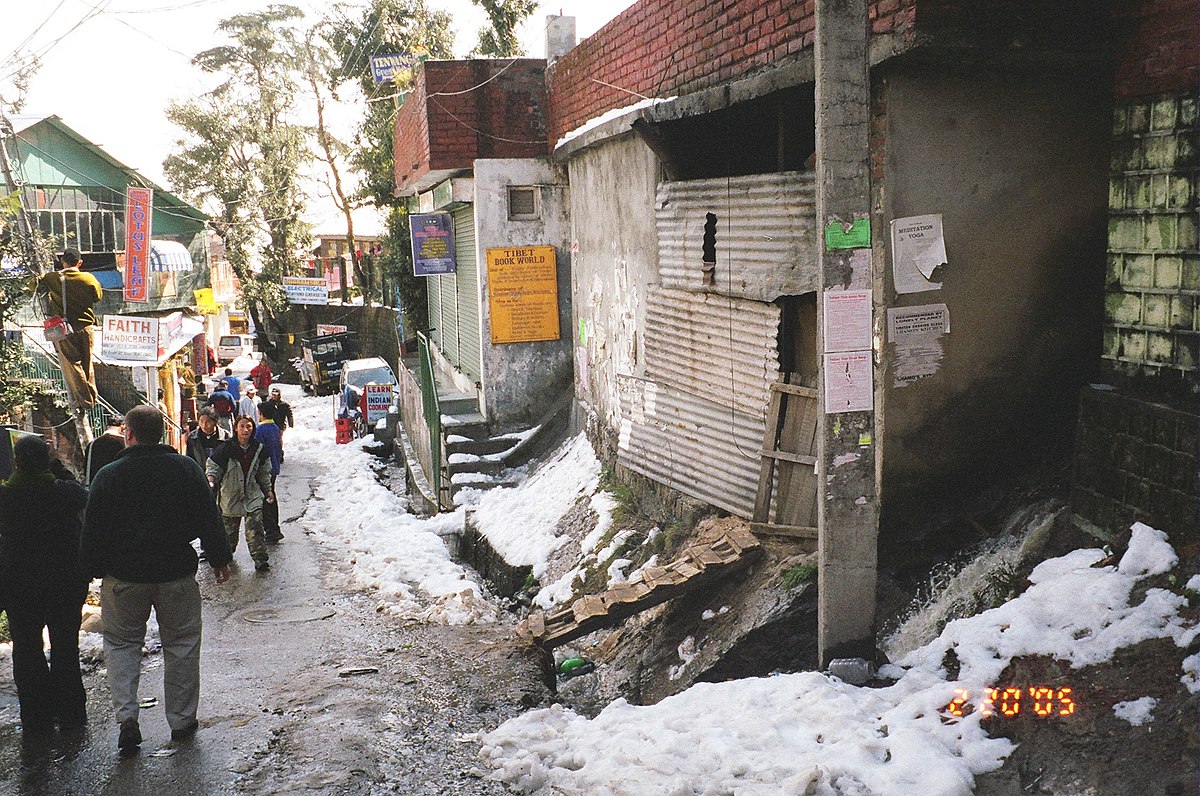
(232, 346)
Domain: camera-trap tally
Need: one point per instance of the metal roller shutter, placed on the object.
(469, 354)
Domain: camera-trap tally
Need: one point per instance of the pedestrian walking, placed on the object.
(271, 438)
(261, 375)
(104, 448)
(43, 587)
(239, 473)
(143, 513)
(280, 411)
(204, 439)
(73, 293)
(233, 384)
(248, 405)
(223, 403)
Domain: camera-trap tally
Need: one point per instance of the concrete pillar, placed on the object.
(848, 519)
(560, 36)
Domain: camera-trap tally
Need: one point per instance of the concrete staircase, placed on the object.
(472, 457)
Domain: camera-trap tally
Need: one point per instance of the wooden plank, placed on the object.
(796, 493)
(706, 556)
(766, 468)
(587, 606)
(799, 531)
(794, 389)
(795, 458)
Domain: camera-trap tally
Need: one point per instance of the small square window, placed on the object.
(522, 203)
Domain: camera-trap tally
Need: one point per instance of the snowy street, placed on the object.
(289, 702)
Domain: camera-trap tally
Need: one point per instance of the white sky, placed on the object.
(91, 59)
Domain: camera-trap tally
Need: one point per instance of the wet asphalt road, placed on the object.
(281, 708)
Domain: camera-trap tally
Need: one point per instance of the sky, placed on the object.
(97, 53)
(715, 738)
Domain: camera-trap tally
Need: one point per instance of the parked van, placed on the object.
(232, 346)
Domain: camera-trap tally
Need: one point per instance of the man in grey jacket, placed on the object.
(143, 513)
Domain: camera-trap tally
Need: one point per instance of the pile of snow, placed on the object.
(811, 733)
(592, 124)
(520, 523)
(397, 556)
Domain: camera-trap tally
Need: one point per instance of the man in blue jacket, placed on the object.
(270, 436)
(143, 513)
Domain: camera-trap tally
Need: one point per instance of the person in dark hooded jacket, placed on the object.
(43, 586)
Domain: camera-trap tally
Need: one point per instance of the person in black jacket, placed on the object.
(144, 511)
(44, 587)
(104, 448)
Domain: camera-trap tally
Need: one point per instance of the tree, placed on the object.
(500, 40)
(405, 27)
(244, 151)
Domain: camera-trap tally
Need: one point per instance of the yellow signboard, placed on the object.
(523, 294)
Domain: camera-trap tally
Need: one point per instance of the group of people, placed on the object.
(143, 505)
(141, 514)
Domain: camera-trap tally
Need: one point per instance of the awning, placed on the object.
(175, 330)
(167, 255)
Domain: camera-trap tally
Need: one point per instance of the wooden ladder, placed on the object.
(789, 463)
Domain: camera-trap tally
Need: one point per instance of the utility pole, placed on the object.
(847, 443)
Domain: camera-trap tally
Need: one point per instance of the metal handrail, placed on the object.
(433, 412)
(45, 369)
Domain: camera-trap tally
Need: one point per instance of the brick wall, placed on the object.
(463, 110)
(1136, 461)
(1160, 51)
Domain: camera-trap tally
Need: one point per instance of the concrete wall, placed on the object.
(612, 219)
(1015, 161)
(521, 380)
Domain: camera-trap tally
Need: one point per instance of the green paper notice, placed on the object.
(582, 332)
(859, 236)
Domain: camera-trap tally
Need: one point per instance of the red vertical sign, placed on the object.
(137, 242)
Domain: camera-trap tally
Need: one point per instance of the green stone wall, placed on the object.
(1152, 326)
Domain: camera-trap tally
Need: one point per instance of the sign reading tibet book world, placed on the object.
(432, 243)
(523, 294)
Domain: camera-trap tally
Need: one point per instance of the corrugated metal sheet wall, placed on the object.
(766, 235)
(469, 355)
(696, 422)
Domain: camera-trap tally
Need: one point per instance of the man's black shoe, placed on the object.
(262, 566)
(186, 731)
(130, 738)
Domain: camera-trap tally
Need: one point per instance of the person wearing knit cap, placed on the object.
(44, 587)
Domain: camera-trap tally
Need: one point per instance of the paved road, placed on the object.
(280, 710)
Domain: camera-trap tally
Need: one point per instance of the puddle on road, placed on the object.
(287, 615)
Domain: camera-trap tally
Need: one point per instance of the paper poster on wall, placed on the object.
(848, 382)
(847, 320)
(918, 253)
(916, 336)
(432, 243)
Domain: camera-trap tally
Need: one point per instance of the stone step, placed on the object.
(466, 463)
(479, 447)
(458, 403)
(468, 424)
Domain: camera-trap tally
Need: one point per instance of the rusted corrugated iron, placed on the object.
(696, 421)
(766, 234)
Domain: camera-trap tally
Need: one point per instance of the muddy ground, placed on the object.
(283, 710)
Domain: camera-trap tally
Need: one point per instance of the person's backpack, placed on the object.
(223, 405)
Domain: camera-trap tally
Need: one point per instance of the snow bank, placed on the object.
(811, 733)
(521, 522)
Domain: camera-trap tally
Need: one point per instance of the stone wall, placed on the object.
(1152, 328)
